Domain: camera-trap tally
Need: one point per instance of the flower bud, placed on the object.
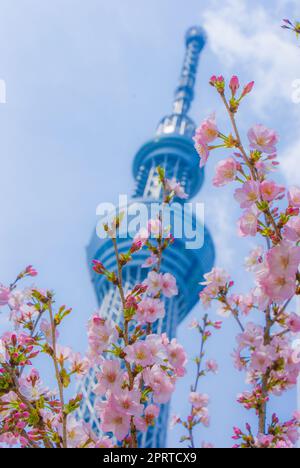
(247, 89)
(234, 85)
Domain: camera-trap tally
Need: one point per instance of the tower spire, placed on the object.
(195, 40)
(179, 122)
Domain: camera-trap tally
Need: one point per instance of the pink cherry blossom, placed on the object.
(46, 329)
(153, 282)
(248, 223)
(63, 353)
(17, 299)
(151, 413)
(101, 333)
(78, 365)
(78, 432)
(4, 295)
(175, 419)
(168, 285)
(139, 240)
(109, 378)
(212, 366)
(149, 310)
(225, 172)
(177, 357)
(142, 235)
(160, 383)
(157, 348)
(252, 337)
(208, 131)
(32, 387)
(295, 357)
(255, 259)
(263, 139)
(139, 354)
(249, 194)
(293, 323)
(154, 228)
(261, 359)
(198, 400)
(150, 261)
(218, 277)
(292, 230)
(294, 197)
(174, 186)
(114, 421)
(140, 423)
(284, 258)
(127, 402)
(203, 151)
(277, 286)
(271, 191)
(247, 303)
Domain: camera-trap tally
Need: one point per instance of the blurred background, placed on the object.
(86, 84)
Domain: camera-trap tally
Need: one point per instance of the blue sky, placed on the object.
(87, 83)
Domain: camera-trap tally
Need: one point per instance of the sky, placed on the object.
(87, 82)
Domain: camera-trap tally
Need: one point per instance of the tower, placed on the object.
(172, 148)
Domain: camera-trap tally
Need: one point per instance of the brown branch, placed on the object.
(58, 376)
(133, 430)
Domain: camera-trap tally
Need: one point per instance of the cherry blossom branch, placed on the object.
(269, 217)
(57, 374)
(134, 442)
(194, 387)
(27, 403)
(198, 412)
(271, 363)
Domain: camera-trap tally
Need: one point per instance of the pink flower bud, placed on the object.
(234, 85)
(30, 271)
(237, 431)
(248, 88)
(218, 83)
(21, 425)
(98, 267)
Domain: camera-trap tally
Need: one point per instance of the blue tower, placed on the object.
(172, 148)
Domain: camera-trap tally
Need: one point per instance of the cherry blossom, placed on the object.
(249, 194)
(225, 172)
(262, 139)
(294, 197)
(160, 383)
(4, 295)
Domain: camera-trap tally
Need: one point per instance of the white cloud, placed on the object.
(247, 38)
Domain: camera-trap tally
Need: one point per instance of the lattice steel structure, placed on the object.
(173, 148)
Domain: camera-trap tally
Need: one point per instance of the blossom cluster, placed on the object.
(199, 413)
(137, 368)
(278, 436)
(32, 415)
(264, 349)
